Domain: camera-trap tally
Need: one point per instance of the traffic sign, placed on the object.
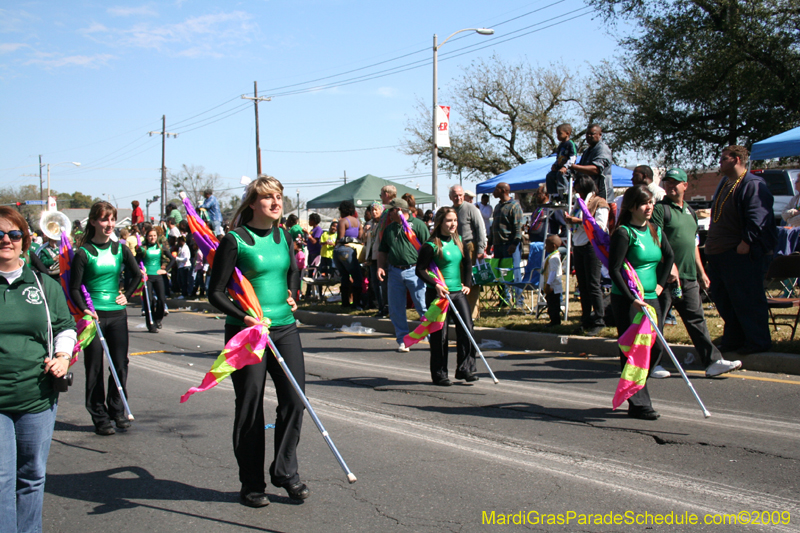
(34, 202)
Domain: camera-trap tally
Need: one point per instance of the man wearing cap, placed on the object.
(679, 223)
(472, 231)
(469, 197)
(397, 259)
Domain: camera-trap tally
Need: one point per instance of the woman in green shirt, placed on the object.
(642, 244)
(263, 252)
(445, 250)
(97, 264)
(157, 262)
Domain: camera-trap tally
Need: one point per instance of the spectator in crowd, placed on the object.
(371, 228)
(444, 249)
(294, 227)
(643, 175)
(587, 264)
(198, 273)
(595, 162)
(174, 213)
(551, 275)
(640, 242)
(48, 254)
(427, 218)
(211, 207)
(29, 368)
(184, 264)
(345, 255)
(397, 258)
(173, 232)
(77, 231)
(678, 222)
(326, 251)
(506, 236)
(473, 237)
(137, 217)
(313, 244)
(559, 175)
(469, 197)
(486, 213)
(740, 240)
(412, 203)
(791, 215)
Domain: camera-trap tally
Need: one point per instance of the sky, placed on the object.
(86, 81)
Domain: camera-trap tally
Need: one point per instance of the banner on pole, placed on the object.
(443, 126)
(51, 204)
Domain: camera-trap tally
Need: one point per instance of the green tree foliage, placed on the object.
(502, 115)
(700, 75)
(76, 200)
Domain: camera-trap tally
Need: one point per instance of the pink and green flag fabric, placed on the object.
(638, 340)
(84, 324)
(436, 316)
(246, 347)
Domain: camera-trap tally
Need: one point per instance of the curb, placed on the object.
(774, 362)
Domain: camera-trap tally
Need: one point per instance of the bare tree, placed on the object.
(505, 115)
(193, 181)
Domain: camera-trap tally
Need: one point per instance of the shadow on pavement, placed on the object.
(125, 488)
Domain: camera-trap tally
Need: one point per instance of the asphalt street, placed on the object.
(544, 442)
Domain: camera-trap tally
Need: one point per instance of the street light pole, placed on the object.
(435, 125)
(47, 201)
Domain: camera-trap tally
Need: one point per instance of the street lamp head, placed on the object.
(76, 163)
(485, 31)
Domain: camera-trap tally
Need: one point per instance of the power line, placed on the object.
(330, 151)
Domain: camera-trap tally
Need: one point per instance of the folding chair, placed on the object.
(784, 267)
(530, 275)
(502, 270)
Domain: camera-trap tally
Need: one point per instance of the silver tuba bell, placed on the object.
(53, 224)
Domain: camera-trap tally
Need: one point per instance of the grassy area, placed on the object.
(494, 317)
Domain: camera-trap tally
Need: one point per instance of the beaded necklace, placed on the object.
(718, 206)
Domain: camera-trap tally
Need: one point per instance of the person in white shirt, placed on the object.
(486, 212)
(184, 263)
(552, 276)
(587, 264)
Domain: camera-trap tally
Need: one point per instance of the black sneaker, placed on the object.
(122, 422)
(105, 429)
(445, 382)
(158, 324)
(252, 498)
(593, 332)
(643, 413)
(297, 491)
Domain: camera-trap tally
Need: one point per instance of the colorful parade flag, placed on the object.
(436, 316)
(84, 324)
(248, 346)
(637, 341)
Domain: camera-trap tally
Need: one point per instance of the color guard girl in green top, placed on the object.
(157, 262)
(649, 253)
(97, 264)
(445, 250)
(263, 252)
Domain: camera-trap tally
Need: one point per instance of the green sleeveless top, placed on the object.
(266, 265)
(101, 277)
(644, 256)
(449, 264)
(152, 259)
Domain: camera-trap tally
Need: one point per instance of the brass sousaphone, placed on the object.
(53, 224)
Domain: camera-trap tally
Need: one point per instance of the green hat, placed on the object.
(676, 174)
(399, 203)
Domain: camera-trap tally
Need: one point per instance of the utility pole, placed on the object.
(41, 181)
(345, 177)
(256, 100)
(164, 134)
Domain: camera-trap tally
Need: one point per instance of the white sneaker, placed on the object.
(659, 372)
(720, 367)
(402, 348)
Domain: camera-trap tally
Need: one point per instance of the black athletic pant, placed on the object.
(155, 289)
(465, 351)
(103, 406)
(624, 314)
(248, 426)
(690, 307)
(587, 272)
(554, 307)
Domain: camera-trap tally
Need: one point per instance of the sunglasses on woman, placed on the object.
(14, 235)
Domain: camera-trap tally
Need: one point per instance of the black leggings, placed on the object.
(249, 441)
(465, 351)
(101, 406)
(155, 289)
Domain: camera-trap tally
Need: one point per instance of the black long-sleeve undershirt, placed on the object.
(225, 259)
(78, 266)
(618, 251)
(424, 259)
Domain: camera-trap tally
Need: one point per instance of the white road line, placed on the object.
(637, 480)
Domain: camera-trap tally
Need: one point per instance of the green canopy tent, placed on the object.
(363, 191)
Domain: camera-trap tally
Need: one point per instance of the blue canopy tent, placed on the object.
(784, 144)
(530, 175)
